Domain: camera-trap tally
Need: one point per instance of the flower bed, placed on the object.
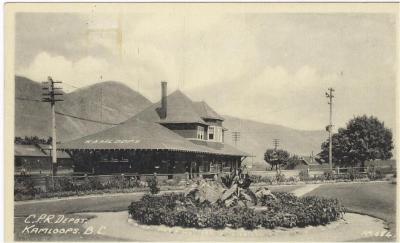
(280, 209)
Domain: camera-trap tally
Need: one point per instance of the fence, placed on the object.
(337, 174)
(39, 186)
(34, 186)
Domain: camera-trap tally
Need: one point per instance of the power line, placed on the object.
(70, 115)
(275, 142)
(27, 99)
(73, 86)
(86, 119)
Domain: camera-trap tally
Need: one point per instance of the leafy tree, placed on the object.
(276, 157)
(364, 138)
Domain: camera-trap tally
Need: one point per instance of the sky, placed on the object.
(268, 67)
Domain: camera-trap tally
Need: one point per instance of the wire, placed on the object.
(73, 86)
(86, 119)
(69, 115)
(27, 99)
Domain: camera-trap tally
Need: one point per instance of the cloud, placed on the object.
(271, 68)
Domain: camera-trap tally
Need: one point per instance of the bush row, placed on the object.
(285, 210)
(304, 176)
(350, 175)
(26, 188)
(279, 178)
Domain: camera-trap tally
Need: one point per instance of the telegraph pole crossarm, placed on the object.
(235, 136)
(51, 97)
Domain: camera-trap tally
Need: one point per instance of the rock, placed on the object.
(228, 193)
(259, 208)
(241, 203)
(261, 192)
(205, 191)
(230, 202)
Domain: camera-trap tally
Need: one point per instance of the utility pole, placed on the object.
(50, 95)
(275, 142)
(330, 126)
(235, 137)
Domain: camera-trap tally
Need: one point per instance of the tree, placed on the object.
(364, 138)
(276, 157)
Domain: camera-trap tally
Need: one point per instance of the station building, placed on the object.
(173, 136)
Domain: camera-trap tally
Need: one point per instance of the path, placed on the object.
(104, 202)
(117, 224)
(305, 189)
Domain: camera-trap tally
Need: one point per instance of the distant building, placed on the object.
(64, 160)
(36, 159)
(175, 135)
(28, 158)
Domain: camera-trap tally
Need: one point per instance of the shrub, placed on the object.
(280, 177)
(378, 174)
(282, 210)
(328, 175)
(255, 178)
(268, 221)
(268, 180)
(304, 175)
(24, 187)
(218, 220)
(153, 185)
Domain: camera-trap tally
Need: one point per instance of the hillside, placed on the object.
(256, 137)
(119, 102)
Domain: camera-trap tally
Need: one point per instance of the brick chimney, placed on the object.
(163, 110)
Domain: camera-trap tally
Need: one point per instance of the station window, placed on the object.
(210, 133)
(215, 133)
(200, 132)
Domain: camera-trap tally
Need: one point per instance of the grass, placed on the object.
(373, 199)
(104, 203)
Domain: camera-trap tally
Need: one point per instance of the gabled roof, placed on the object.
(144, 130)
(205, 111)
(137, 134)
(28, 151)
(180, 109)
(310, 160)
(134, 134)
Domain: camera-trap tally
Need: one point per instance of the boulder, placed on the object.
(205, 191)
(264, 191)
(228, 193)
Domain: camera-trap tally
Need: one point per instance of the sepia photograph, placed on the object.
(213, 122)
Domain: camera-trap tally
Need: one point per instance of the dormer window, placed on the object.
(200, 132)
(215, 133)
(210, 133)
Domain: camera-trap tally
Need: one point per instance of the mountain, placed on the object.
(119, 102)
(256, 137)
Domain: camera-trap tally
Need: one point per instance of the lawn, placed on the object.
(374, 199)
(104, 203)
(66, 207)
